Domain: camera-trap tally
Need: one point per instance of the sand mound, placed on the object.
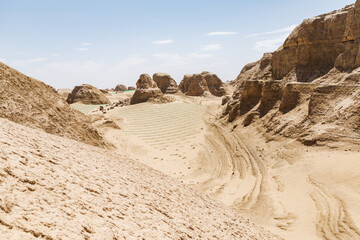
(56, 188)
(30, 102)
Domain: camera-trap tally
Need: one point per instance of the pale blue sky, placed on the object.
(103, 43)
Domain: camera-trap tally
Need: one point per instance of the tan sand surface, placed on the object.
(56, 188)
(296, 191)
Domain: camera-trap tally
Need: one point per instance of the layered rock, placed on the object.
(87, 94)
(193, 85)
(120, 88)
(322, 51)
(146, 89)
(32, 103)
(294, 94)
(214, 83)
(166, 83)
(200, 84)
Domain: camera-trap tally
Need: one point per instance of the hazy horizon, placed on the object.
(67, 43)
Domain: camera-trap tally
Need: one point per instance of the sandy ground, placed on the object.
(56, 188)
(296, 191)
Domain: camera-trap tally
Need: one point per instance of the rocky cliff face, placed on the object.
(322, 52)
(32, 103)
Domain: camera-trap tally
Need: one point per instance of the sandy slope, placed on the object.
(296, 191)
(56, 188)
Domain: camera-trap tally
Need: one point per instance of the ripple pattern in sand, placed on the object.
(164, 124)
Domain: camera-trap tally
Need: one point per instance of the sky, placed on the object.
(104, 43)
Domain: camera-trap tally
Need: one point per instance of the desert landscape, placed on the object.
(272, 154)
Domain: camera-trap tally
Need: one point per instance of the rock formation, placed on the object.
(199, 84)
(64, 92)
(32, 103)
(131, 88)
(120, 88)
(215, 85)
(319, 60)
(87, 94)
(166, 83)
(146, 89)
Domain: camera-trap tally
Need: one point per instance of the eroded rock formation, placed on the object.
(146, 89)
(200, 84)
(87, 94)
(321, 54)
(166, 83)
(121, 88)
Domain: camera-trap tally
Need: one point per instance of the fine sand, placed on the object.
(295, 191)
(56, 188)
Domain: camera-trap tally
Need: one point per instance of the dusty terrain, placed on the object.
(296, 191)
(56, 188)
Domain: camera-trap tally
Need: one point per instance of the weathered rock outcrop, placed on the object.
(321, 52)
(166, 83)
(193, 85)
(131, 88)
(260, 70)
(146, 89)
(199, 84)
(32, 103)
(294, 94)
(318, 45)
(64, 92)
(87, 94)
(214, 83)
(121, 88)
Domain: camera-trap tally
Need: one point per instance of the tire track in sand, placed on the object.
(333, 220)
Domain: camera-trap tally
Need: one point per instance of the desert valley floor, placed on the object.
(293, 190)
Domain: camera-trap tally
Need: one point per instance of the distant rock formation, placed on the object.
(64, 92)
(32, 103)
(199, 84)
(131, 88)
(146, 89)
(87, 94)
(166, 83)
(214, 83)
(120, 88)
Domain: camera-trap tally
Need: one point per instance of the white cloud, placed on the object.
(55, 55)
(131, 61)
(82, 49)
(211, 47)
(269, 45)
(287, 30)
(167, 41)
(33, 60)
(198, 55)
(221, 33)
(86, 44)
